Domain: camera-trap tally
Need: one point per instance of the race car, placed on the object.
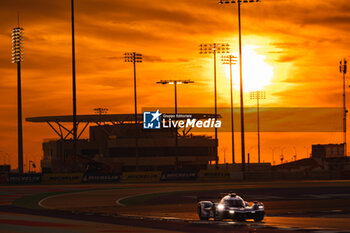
(231, 206)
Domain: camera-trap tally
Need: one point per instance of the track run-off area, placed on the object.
(303, 206)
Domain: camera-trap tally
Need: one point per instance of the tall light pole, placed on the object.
(258, 95)
(273, 155)
(239, 2)
(175, 83)
(135, 58)
(17, 57)
(31, 163)
(215, 48)
(343, 69)
(231, 60)
(74, 84)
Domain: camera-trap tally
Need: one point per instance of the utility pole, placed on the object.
(17, 57)
(343, 69)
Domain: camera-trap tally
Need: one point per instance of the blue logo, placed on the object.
(151, 120)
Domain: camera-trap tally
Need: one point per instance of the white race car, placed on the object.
(231, 206)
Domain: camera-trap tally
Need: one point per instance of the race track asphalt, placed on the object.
(308, 205)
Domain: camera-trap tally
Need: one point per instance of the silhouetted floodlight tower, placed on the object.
(308, 155)
(215, 48)
(239, 2)
(175, 83)
(295, 153)
(101, 111)
(74, 84)
(135, 58)
(17, 57)
(258, 95)
(231, 60)
(282, 155)
(273, 154)
(343, 69)
(31, 163)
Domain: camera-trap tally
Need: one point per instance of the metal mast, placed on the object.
(231, 60)
(343, 69)
(215, 48)
(175, 83)
(17, 57)
(239, 2)
(135, 58)
(258, 95)
(74, 84)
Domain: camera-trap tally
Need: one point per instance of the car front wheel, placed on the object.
(259, 218)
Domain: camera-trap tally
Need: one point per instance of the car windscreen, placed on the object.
(234, 203)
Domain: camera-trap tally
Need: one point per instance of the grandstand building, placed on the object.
(111, 146)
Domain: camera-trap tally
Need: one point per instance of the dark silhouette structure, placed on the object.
(214, 48)
(17, 57)
(112, 142)
(239, 3)
(74, 84)
(134, 58)
(231, 60)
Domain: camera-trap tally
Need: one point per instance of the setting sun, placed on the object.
(257, 73)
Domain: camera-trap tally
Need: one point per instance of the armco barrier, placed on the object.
(98, 178)
(135, 177)
(168, 176)
(219, 175)
(25, 178)
(62, 178)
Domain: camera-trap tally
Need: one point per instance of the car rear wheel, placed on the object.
(200, 214)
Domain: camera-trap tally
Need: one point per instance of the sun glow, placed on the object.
(256, 72)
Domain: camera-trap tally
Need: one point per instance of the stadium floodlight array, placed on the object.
(257, 95)
(17, 45)
(238, 1)
(343, 66)
(228, 59)
(214, 48)
(101, 111)
(174, 81)
(133, 57)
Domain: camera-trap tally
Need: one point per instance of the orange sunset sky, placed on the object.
(291, 49)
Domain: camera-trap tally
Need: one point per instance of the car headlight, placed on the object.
(221, 207)
(231, 211)
(261, 207)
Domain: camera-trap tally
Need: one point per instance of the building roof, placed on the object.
(109, 117)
